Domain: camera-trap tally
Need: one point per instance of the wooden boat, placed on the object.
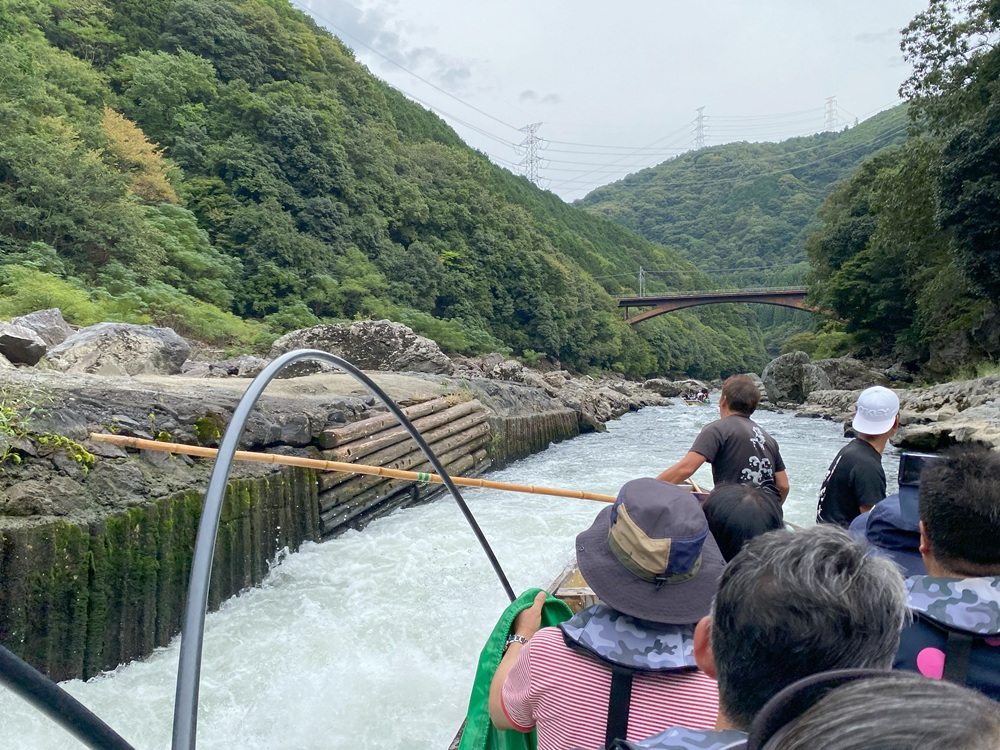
(695, 402)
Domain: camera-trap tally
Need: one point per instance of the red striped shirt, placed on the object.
(564, 694)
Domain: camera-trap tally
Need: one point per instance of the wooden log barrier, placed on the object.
(362, 429)
(470, 442)
(347, 483)
(434, 439)
(359, 448)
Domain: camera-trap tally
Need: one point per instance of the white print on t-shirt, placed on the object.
(764, 471)
(757, 441)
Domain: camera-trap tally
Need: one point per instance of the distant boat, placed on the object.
(695, 402)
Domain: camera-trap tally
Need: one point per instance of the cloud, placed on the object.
(367, 26)
(877, 37)
(529, 95)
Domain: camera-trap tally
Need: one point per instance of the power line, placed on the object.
(399, 65)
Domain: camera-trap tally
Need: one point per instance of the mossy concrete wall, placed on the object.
(78, 599)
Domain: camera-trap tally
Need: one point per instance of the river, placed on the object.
(371, 640)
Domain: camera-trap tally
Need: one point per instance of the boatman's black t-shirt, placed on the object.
(854, 479)
(740, 452)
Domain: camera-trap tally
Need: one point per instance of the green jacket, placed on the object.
(479, 732)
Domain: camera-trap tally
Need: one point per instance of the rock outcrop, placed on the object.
(369, 345)
(791, 377)
(121, 349)
(930, 418)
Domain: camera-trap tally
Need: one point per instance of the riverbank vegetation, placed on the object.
(229, 170)
(909, 250)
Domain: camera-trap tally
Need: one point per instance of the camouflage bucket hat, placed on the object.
(650, 555)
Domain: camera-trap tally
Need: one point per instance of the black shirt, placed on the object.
(855, 479)
(741, 452)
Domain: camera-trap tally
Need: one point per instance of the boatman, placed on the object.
(855, 480)
(739, 449)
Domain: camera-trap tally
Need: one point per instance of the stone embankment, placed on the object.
(96, 541)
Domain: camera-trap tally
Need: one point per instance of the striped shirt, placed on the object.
(564, 694)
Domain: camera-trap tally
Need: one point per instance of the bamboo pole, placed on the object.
(312, 463)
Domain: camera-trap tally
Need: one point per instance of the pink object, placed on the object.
(930, 662)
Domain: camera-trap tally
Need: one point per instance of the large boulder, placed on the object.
(847, 373)
(370, 345)
(121, 349)
(20, 345)
(791, 377)
(49, 324)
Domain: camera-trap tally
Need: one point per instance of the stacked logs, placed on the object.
(457, 431)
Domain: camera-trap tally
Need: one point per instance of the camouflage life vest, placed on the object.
(627, 646)
(956, 635)
(680, 738)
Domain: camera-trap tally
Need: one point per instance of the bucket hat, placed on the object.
(876, 411)
(650, 554)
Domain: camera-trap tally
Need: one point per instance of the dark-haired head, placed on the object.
(741, 394)
(960, 511)
(737, 513)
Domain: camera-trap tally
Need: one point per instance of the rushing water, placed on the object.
(371, 640)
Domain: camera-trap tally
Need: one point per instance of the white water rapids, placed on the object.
(371, 640)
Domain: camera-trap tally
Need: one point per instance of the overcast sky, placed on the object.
(625, 78)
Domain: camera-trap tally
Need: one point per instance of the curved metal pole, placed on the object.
(45, 695)
(193, 627)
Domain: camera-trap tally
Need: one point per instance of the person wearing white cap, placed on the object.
(855, 480)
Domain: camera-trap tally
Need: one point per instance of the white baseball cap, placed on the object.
(877, 410)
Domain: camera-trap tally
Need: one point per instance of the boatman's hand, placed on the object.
(529, 620)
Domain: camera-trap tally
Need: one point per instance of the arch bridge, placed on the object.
(793, 297)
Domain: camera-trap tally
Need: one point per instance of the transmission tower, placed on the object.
(529, 148)
(699, 128)
(642, 282)
(830, 122)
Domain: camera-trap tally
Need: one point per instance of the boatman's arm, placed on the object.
(683, 469)
(526, 624)
(781, 483)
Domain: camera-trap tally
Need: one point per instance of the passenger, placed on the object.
(651, 560)
(737, 513)
(855, 480)
(737, 447)
(956, 633)
(790, 604)
(892, 532)
(895, 711)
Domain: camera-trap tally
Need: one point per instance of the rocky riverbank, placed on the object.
(931, 417)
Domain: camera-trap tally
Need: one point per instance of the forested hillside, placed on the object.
(909, 249)
(227, 168)
(741, 211)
